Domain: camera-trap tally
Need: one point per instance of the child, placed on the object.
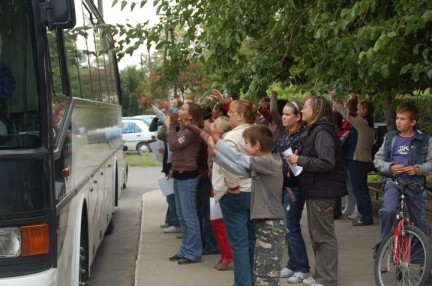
(407, 154)
(225, 259)
(265, 169)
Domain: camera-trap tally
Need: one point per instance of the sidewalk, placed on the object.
(154, 269)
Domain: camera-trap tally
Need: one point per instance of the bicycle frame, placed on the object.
(398, 235)
(399, 231)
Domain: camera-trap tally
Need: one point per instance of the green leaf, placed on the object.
(158, 10)
(123, 4)
(406, 68)
(132, 6)
(425, 53)
(391, 35)
(429, 74)
(385, 71)
(114, 3)
(382, 41)
(427, 16)
(142, 4)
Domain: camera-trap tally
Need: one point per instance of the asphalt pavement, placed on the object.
(154, 269)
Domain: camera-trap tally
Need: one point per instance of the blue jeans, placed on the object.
(203, 208)
(416, 209)
(358, 176)
(171, 214)
(185, 199)
(240, 230)
(298, 259)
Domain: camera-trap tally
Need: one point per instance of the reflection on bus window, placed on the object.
(90, 65)
(59, 107)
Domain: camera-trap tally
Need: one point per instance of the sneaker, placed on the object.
(346, 213)
(172, 229)
(175, 257)
(298, 277)
(353, 216)
(375, 249)
(165, 225)
(286, 272)
(309, 281)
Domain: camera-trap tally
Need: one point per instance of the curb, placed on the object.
(139, 242)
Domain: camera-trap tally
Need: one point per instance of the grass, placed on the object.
(145, 160)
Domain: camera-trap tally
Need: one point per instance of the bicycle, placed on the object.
(405, 256)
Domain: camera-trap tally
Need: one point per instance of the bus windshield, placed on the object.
(19, 93)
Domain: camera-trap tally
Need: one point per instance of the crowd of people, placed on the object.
(263, 164)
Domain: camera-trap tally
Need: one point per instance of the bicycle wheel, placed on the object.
(414, 264)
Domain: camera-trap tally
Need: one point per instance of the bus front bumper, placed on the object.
(45, 278)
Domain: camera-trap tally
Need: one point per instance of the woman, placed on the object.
(362, 136)
(322, 181)
(297, 267)
(234, 194)
(186, 149)
(348, 141)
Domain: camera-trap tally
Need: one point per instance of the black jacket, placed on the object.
(324, 174)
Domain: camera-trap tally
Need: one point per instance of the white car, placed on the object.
(148, 118)
(136, 135)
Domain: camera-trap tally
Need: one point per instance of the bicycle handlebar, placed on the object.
(416, 187)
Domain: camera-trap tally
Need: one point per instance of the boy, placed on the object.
(407, 154)
(265, 169)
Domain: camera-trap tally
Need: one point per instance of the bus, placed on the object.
(62, 168)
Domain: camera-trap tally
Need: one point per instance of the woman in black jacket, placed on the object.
(322, 181)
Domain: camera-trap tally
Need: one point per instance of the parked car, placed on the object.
(380, 132)
(136, 135)
(147, 118)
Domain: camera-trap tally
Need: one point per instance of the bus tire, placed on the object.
(111, 226)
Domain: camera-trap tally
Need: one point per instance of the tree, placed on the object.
(377, 48)
(130, 79)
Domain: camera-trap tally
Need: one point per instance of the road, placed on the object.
(115, 261)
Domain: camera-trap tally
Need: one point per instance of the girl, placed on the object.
(297, 267)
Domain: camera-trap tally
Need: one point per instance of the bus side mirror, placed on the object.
(60, 14)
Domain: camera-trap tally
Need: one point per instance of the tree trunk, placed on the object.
(389, 114)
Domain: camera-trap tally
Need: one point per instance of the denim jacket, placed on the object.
(420, 155)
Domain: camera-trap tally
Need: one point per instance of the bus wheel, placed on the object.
(111, 226)
(143, 148)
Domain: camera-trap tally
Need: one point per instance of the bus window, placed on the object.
(19, 95)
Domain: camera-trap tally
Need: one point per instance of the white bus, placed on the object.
(61, 155)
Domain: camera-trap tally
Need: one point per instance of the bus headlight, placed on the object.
(10, 242)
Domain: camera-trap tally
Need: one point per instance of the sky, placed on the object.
(114, 15)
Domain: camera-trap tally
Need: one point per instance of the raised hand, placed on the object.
(173, 119)
(163, 103)
(219, 96)
(149, 103)
(211, 129)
